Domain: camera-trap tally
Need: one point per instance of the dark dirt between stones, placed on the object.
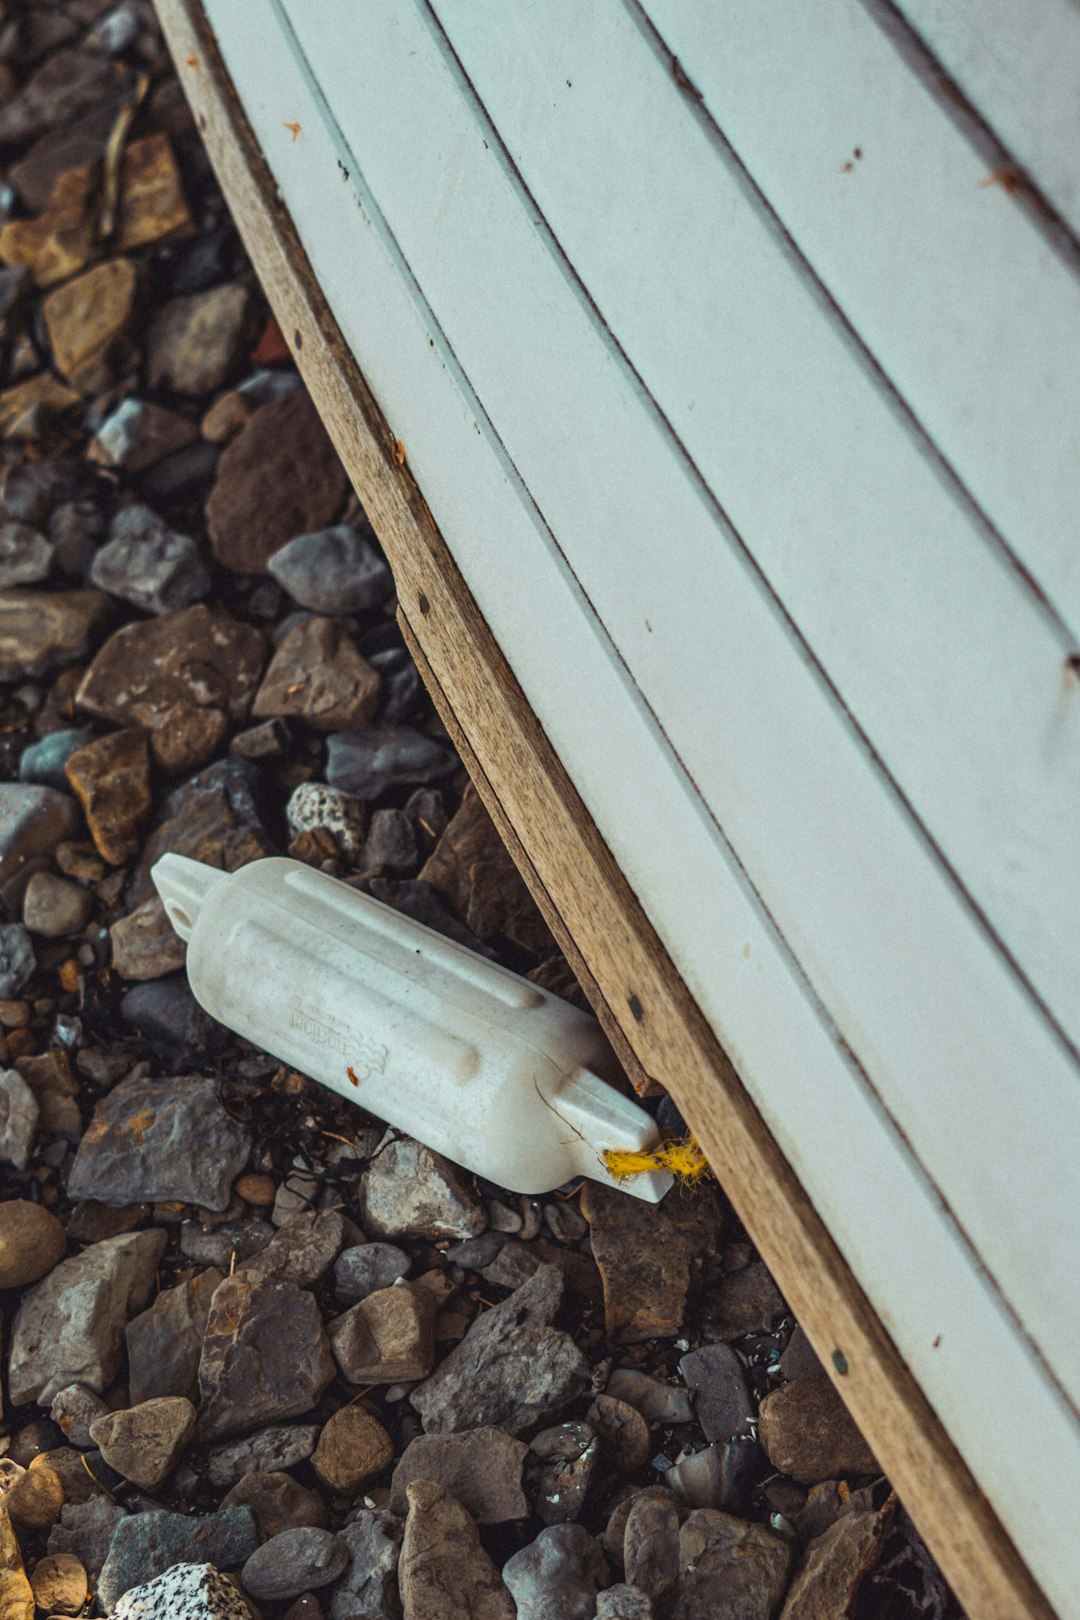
(576, 1404)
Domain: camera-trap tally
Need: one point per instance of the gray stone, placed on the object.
(277, 1501)
(444, 1573)
(150, 565)
(73, 1410)
(66, 85)
(145, 1545)
(25, 555)
(717, 1377)
(18, 1119)
(33, 820)
(558, 1576)
(335, 571)
(390, 845)
(729, 1569)
(144, 943)
(194, 342)
(145, 1442)
(155, 1140)
(70, 1328)
(651, 1549)
(562, 1461)
(53, 907)
(43, 762)
(295, 1561)
(265, 1356)
(657, 1401)
(799, 1357)
(624, 1602)
(807, 1432)
(86, 1529)
(186, 1592)
(833, 1568)
(368, 763)
(314, 805)
(137, 434)
(361, 1270)
(17, 959)
(513, 1369)
(477, 1253)
(234, 1240)
(409, 1191)
(268, 740)
(480, 1468)
(280, 1446)
(368, 1590)
(302, 1250)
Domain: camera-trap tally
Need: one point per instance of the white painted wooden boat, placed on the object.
(735, 352)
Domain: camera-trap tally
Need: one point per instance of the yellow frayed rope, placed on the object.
(683, 1158)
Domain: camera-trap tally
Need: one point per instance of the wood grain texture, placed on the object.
(525, 786)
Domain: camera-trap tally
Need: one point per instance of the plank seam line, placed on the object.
(726, 848)
(713, 501)
(909, 44)
(992, 536)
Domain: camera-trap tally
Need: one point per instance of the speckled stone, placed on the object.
(185, 1592)
(313, 804)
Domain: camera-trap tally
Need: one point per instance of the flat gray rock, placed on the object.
(512, 1370)
(717, 1376)
(70, 1327)
(145, 1545)
(336, 571)
(445, 1573)
(295, 1561)
(265, 1356)
(280, 1445)
(152, 1140)
(148, 564)
(366, 1268)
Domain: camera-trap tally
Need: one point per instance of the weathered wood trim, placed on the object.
(586, 897)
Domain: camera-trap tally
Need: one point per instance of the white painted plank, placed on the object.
(962, 689)
(955, 288)
(1019, 67)
(609, 484)
(921, 1278)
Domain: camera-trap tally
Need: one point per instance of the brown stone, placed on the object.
(277, 1502)
(32, 1242)
(745, 1301)
(257, 1189)
(649, 1256)
(833, 1568)
(56, 1091)
(200, 656)
(196, 340)
(144, 944)
(23, 407)
(264, 1357)
(444, 1573)
(207, 820)
(353, 1448)
(111, 780)
(188, 736)
(87, 320)
(163, 1342)
(229, 413)
(59, 1584)
(388, 1338)
(623, 1433)
(807, 1432)
(58, 243)
(152, 203)
(317, 675)
(35, 1500)
(66, 85)
(729, 1569)
(53, 908)
(42, 630)
(16, 1596)
(145, 1442)
(480, 1468)
(471, 868)
(137, 434)
(279, 477)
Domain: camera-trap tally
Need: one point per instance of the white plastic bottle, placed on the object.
(470, 1059)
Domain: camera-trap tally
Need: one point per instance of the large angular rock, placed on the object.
(272, 1449)
(16, 1596)
(723, 1404)
(335, 571)
(807, 1432)
(729, 1569)
(411, 1192)
(444, 1573)
(195, 341)
(145, 1545)
(651, 1548)
(70, 1328)
(67, 84)
(302, 1250)
(369, 763)
(200, 657)
(144, 1442)
(279, 478)
(558, 1576)
(277, 1502)
(265, 1356)
(164, 1342)
(513, 1369)
(184, 1592)
(153, 1140)
(649, 1256)
(152, 203)
(213, 818)
(481, 1468)
(110, 777)
(42, 631)
(148, 564)
(316, 675)
(472, 869)
(833, 1568)
(353, 1448)
(388, 1338)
